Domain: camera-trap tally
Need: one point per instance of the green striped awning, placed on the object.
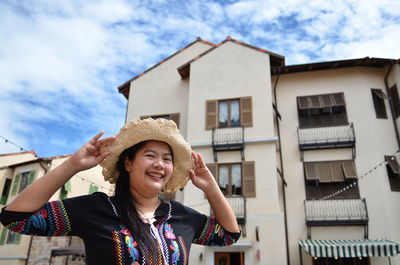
(350, 248)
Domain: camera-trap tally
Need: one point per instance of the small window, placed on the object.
(172, 116)
(229, 113)
(235, 178)
(24, 181)
(13, 238)
(326, 177)
(394, 95)
(378, 98)
(393, 170)
(6, 190)
(322, 110)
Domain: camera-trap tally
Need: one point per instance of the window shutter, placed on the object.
(323, 172)
(211, 114)
(67, 186)
(17, 239)
(214, 170)
(349, 169)
(316, 102)
(249, 180)
(93, 188)
(175, 118)
(327, 101)
(310, 171)
(338, 99)
(246, 115)
(16, 184)
(336, 171)
(392, 162)
(31, 177)
(3, 235)
(302, 103)
(379, 103)
(394, 95)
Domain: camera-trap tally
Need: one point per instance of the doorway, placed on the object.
(229, 258)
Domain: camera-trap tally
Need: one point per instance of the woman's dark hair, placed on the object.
(126, 207)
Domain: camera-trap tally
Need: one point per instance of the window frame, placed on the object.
(379, 103)
(230, 178)
(323, 110)
(229, 114)
(394, 98)
(393, 175)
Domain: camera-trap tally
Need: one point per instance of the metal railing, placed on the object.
(336, 212)
(228, 136)
(238, 204)
(336, 136)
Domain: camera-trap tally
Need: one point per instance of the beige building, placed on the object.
(306, 154)
(17, 171)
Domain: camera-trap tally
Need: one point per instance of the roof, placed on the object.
(366, 62)
(275, 59)
(35, 160)
(124, 88)
(20, 153)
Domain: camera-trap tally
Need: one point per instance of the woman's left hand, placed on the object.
(201, 175)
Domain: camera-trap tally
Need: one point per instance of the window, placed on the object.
(22, 180)
(93, 188)
(172, 116)
(6, 190)
(322, 110)
(64, 190)
(326, 177)
(229, 113)
(235, 178)
(379, 103)
(393, 170)
(230, 178)
(394, 95)
(9, 237)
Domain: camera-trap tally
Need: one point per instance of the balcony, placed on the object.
(326, 137)
(347, 212)
(228, 139)
(336, 212)
(238, 204)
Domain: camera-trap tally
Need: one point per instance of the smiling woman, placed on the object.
(146, 158)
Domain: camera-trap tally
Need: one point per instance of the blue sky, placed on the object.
(62, 61)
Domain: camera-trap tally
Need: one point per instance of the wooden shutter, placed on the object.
(323, 171)
(327, 101)
(394, 96)
(249, 179)
(15, 185)
(316, 102)
(211, 114)
(246, 113)
(17, 238)
(3, 235)
(336, 171)
(175, 118)
(310, 171)
(339, 99)
(303, 103)
(349, 169)
(214, 170)
(31, 177)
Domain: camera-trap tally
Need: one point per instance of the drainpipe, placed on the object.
(391, 105)
(281, 172)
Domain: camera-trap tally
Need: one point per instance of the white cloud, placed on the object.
(61, 61)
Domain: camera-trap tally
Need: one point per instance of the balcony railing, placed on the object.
(336, 212)
(228, 139)
(238, 204)
(326, 137)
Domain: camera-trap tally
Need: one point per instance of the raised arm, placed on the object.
(204, 180)
(40, 191)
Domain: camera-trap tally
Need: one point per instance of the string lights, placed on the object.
(354, 183)
(7, 141)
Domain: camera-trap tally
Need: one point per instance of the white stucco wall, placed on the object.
(374, 139)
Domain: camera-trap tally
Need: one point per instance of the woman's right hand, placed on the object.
(90, 154)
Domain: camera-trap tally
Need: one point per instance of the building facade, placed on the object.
(306, 154)
(17, 171)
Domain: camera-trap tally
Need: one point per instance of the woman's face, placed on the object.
(151, 168)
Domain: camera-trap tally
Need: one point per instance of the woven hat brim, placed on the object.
(138, 131)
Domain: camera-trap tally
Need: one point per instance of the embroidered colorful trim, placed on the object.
(214, 235)
(51, 220)
(118, 248)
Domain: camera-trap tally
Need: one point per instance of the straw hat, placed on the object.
(138, 131)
